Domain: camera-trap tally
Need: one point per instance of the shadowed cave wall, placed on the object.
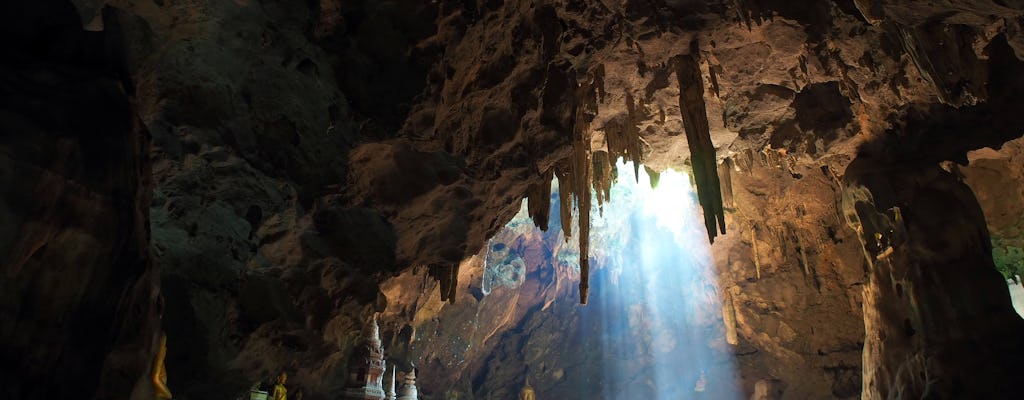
(257, 178)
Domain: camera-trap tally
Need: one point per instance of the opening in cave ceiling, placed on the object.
(655, 324)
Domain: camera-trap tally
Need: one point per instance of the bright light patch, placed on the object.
(654, 323)
(671, 203)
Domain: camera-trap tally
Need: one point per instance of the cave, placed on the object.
(520, 199)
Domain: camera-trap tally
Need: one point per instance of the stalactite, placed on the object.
(599, 82)
(813, 273)
(698, 137)
(755, 255)
(565, 198)
(603, 176)
(538, 199)
(614, 137)
(447, 276)
(801, 249)
(946, 64)
(803, 257)
(729, 316)
(745, 160)
(725, 173)
(654, 175)
(577, 175)
(631, 147)
(453, 282)
(582, 169)
(713, 74)
(623, 137)
(868, 9)
(741, 8)
(585, 170)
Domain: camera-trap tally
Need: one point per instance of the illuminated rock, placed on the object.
(502, 267)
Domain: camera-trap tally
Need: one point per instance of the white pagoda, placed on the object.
(366, 368)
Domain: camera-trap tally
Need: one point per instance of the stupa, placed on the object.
(408, 390)
(366, 368)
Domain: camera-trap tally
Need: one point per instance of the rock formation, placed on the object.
(258, 178)
(933, 247)
(80, 300)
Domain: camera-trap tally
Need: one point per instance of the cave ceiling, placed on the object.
(300, 166)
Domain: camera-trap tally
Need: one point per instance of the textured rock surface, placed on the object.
(995, 178)
(932, 248)
(316, 161)
(794, 276)
(79, 298)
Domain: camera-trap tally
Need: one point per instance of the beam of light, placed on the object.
(655, 314)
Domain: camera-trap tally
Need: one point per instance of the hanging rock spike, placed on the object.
(698, 137)
(538, 200)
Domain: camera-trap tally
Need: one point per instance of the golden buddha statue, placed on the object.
(527, 392)
(160, 389)
(280, 392)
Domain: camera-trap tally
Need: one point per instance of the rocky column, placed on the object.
(937, 315)
(79, 308)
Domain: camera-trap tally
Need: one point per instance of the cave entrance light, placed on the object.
(654, 323)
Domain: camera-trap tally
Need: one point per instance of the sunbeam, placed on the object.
(654, 320)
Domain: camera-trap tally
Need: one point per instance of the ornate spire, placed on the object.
(390, 389)
(367, 366)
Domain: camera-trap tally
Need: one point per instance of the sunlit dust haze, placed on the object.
(654, 322)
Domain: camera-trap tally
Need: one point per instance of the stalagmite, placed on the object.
(698, 137)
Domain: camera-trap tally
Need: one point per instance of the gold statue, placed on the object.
(280, 392)
(160, 389)
(527, 392)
